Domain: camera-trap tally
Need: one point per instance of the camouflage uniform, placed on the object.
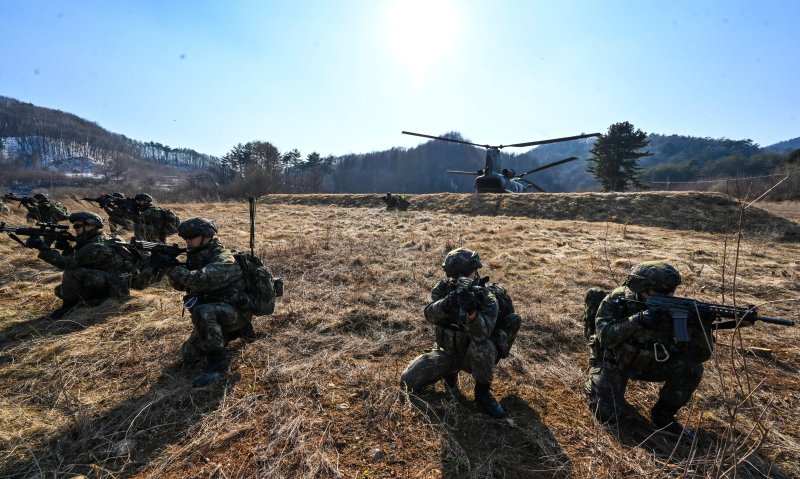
(153, 223)
(222, 310)
(462, 344)
(45, 211)
(4, 209)
(97, 269)
(216, 297)
(122, 212)
(623, 348)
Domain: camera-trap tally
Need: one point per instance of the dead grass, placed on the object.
(103, 392)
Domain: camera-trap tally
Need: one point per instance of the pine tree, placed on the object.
(615, 157)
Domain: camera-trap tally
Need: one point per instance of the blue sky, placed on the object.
(346, 76)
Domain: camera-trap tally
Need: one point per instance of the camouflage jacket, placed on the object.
(479, 329)
(154, 224)
(211, 274)
(619, 338)
(93, 250)
(47, 211)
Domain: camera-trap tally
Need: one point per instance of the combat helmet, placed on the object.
(461, 261)
(86, 217)
(194, 227)
(660, 276)
(40, 197)
(118, 195)
(143, 197)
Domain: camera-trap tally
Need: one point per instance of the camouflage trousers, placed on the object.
(86, 284)
(606, 386)
(213, 322)
(479, 359)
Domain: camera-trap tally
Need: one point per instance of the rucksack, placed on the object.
(259, 284)
(504, 302)
(591, 303)
(170, 221)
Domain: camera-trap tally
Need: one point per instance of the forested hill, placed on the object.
(674, 158)
(31, 135)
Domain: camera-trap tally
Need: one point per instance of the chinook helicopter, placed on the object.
(493, 178)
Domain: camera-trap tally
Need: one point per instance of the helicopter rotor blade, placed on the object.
(549, 165)
(471, 173)
(532, 184)
(553, 140)
(453, 140)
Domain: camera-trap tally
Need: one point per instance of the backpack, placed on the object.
(504, 302)
(259, 284)
(594, 296)
(170, 221)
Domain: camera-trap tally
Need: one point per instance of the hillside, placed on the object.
(103, 393)
(34, 137)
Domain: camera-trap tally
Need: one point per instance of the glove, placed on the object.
(450, 302)
(162, 260)
(36, 243)
(468, 302)
(651, 319)
(64, 246)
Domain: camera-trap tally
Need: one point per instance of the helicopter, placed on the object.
(495, 179)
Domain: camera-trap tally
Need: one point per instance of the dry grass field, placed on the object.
(103, 393)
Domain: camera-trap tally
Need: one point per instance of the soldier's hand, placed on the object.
(64, 246)
(36, 243)
(161, 260)
(468, 302)
(650, 319)
(450, 302)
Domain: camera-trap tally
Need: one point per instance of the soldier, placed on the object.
(152, 222)
(467, 338)
(96, 269)
(631, 342)
(122, 212)
(44, 210)
(391, 202)
(215, 296)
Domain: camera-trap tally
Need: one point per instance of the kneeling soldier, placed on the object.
(631, 342)
(464, 317)
(98, 268)
(215, 296)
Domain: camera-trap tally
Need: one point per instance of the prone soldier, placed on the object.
(44, 210)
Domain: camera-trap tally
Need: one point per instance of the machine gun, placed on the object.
(161, 255)
(718, 316)
(49, 233)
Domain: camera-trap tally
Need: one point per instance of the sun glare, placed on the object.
(421, 33)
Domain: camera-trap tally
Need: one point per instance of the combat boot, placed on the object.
(669, 426)
(486, 402)
(65, 308)
(217, 366)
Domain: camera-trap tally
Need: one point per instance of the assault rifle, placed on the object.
(473, 288)
(719, 316)
(161, 255)
(25, 200)
(48, 232)
(103, 201)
